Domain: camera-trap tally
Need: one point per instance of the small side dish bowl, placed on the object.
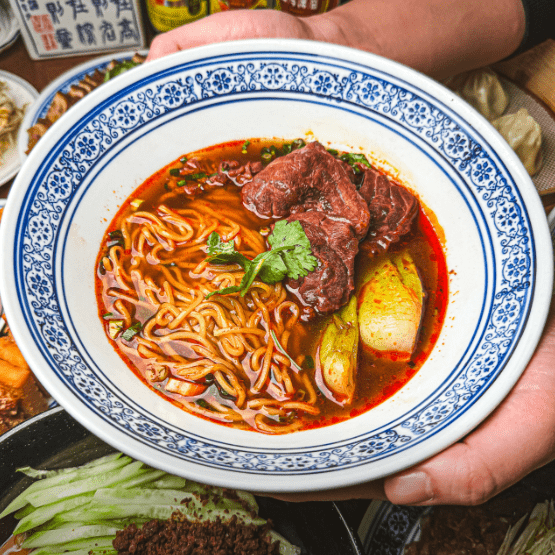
(63, 83)
(496, 241)
(54, 440)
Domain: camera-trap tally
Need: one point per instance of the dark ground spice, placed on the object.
(460, 531)
(178, 536)
(480, 530)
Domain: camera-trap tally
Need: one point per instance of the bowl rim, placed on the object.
(466, 422)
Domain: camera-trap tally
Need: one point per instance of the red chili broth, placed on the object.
(378, 378)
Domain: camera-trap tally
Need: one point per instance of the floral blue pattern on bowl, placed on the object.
(485, 179)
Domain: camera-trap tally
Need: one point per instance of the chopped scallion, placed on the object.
(131, 331)
(195, 176)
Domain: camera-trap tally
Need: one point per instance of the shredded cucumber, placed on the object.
(68, 533)
(79, 510)
(102, 542)
(34, 473)
(67, 476)
(32, 517)
(46, 512)
(89, 483)
(167, 481)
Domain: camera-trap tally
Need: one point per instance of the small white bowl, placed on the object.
(498, 251)
(23, 95)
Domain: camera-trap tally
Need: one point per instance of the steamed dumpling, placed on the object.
(524, 136)
(482, 89)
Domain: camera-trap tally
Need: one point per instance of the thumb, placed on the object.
(464, 475)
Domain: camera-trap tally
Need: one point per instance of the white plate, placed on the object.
(498, 251)
(2, 323)
(22, 93)
(63, 83)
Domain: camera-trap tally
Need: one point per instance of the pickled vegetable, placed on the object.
(339, 350)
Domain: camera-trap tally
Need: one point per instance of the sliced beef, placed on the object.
(320, 191)
(392, 211)
(333, 243)
(308, 179)
(239, 173)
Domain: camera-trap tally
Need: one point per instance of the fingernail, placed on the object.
(410, 489)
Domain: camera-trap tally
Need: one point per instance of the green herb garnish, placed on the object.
(131, 331)
(268, 153)
(354, 159)
(297, 256)
(287, 148)
(244, 147)
(120, 68)
(194, 176)
(191, 177)
(290, 256)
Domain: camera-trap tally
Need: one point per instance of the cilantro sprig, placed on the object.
(290, 256)
(353, 159)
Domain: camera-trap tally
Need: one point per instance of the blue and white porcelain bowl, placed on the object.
(497, 242)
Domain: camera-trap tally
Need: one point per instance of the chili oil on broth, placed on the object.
(215, 357)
